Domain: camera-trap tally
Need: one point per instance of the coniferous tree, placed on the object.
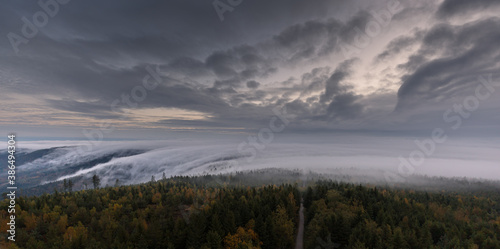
(96, 181)
(65, 185)
(339, 215)
(70, 185)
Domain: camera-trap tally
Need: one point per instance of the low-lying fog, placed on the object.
(477, 158)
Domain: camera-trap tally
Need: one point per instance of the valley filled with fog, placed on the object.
(133, 162)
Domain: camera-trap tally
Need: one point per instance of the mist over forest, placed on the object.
(134, 162)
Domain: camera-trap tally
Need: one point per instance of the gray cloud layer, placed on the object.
(92, 52)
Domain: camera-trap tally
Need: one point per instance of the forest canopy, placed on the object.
(225, 212)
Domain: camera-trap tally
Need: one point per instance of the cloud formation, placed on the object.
(233, 73)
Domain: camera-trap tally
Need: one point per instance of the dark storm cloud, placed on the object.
(188, 66)
(465, 53)
(334, 102)
(399, 44)
(253, 84)
(444, 64)
(456, 7)
(333, 84)
(159, 28)
(296, 44)
(303, 41)
(101, 54)
(239, 64)
(312, 82)
(345, 106)
(299, 43)
(92, 53)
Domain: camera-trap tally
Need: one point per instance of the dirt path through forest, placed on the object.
(299, 243)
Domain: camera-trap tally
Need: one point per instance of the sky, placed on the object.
(159, 69)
